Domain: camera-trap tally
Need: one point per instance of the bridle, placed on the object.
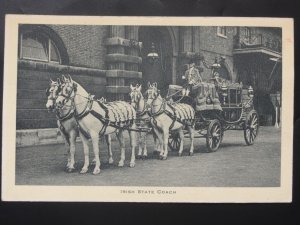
(69, 95)
(52, 95)
(153, 94)
(71, 92)
(52, 91)
(136, 96)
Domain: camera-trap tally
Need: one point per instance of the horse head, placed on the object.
(67, 91)
(51, 93)
(135, 94)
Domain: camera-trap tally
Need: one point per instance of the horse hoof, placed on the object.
(121, 164)
(96, 171)
(164, 157)
(83, 170)
(179, 154)
(144, 157)
(70, 170)
(110, 161)
(191, 154)
(161, 157)
(132, 165)
(138, 157)
(155, 152)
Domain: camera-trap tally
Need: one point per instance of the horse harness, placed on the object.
(118, 123)
(173, 115)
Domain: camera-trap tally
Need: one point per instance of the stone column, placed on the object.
(114, 83)
(134, 50)
(122, 61)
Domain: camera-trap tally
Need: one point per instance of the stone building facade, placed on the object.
(107, 59)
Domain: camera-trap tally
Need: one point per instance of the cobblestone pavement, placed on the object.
(234, 165)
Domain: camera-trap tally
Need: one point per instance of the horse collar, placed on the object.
(161, 110)
(86, 110)
(143, 111)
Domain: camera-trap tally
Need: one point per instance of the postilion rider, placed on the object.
(193, 78)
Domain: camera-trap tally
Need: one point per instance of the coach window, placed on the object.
(36, 46)
(221, 31)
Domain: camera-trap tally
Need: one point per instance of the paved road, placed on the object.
(233, 165)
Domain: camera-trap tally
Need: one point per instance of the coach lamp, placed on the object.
(152, 56)
(224, 90)
(250, 92)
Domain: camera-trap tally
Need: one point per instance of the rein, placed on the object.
(162, 110)
(144, 110)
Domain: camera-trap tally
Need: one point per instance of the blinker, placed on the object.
(47, 92)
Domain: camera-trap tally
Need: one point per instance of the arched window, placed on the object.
(39, 47)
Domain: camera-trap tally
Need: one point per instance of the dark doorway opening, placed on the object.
(160, 70)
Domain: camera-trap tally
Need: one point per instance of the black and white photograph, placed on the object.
(140, 109)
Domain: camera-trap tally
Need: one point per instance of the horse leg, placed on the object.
(145, 154)
(181, 135)
(165, 143)
(86, 153)
(122, 146)
(108, 142)
(73, 135)
(191, 132)
(158, 136)
(67, 147)
(156, 143)
(95, 142)
(132, 138)
(140, 141)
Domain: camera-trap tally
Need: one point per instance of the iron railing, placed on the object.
(259, 40)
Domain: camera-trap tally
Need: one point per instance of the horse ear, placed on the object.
(131, 87)
(139, 87)
(51, 81)
(63, 78)
(69, 77)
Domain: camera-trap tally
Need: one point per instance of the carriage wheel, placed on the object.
(174, 141)
(214, 136)
(251, 127)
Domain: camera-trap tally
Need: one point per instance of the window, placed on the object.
(35, 46)
(248, 34)
(221, 31)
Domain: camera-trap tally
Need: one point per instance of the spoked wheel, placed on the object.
(251, 127)
(214, 136)
(174, 141)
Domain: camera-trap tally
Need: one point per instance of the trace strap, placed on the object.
(173, 115)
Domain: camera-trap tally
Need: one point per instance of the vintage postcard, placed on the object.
(148, 109)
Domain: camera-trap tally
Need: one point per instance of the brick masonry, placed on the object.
(86, 49)
(85, 44)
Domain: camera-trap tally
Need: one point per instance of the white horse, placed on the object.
(97, 119)
(166, 117)
(67, 125)
(139, 104)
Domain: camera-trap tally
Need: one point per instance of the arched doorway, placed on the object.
(159, 71)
